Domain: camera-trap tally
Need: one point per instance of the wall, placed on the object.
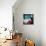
(43, 22)
(6, 13)
(29, 31)
(6, 17)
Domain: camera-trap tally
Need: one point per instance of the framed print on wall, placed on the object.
(28, 19)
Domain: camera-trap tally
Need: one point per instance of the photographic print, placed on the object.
(27, 18)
